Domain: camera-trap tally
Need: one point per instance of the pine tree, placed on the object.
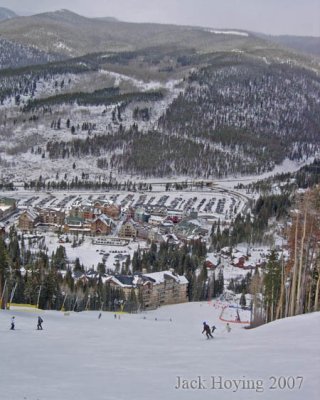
(219, 283)
(242, 301)
(272, 285)
(4, 266)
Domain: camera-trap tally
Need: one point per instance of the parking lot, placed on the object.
(219, 204)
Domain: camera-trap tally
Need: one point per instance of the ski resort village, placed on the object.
(159, 201)
(110, 238)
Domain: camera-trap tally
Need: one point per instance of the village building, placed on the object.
(109, 208)
(124, 282)
(166, 288)
(142, 231)
(28, 220)
(212, 261)
(84, 212)
(51, 216)
(77, 225)
(89, 213)
(128, 212)
(156, 236)
(189, 229)
(139, 214)
(102, 225)
(127, 229)
(153, 289)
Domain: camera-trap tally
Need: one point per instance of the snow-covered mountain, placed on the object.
(5, 14)
(158, 354)
(81, 35)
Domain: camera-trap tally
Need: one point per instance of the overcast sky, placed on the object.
(294, 17)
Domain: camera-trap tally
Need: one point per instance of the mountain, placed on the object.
(109, 19)
(73, 35)
(224, 102)
(5, 14)
(309, 45)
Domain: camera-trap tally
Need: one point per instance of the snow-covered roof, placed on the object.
(124, 281)
(32, 213)
(170, 236)
(159, 277)
(106, 220)
(212, 258)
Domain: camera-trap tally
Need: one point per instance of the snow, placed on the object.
(60, 45)
(91, 254)
(286, 166)
(146, 86)
(78, 356)
(227, 32)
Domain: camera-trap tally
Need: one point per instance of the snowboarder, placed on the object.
(213, 328)
(228, 328)
(12, 323)
(39, 325)
(206, 329)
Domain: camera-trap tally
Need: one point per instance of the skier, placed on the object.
(12, 323)
(228, 328)
(99, 316)
(206, 329)
(39, 325)
(213, 328)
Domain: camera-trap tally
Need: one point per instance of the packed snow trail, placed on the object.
(152, 355)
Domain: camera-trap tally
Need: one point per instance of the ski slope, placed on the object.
(148, 356)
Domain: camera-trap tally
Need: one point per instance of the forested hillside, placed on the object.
(264, 110)
(14, 55)
(204, 104)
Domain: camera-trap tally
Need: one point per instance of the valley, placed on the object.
(144, 165)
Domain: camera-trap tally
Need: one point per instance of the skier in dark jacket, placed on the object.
(39, 326)
(206, 329)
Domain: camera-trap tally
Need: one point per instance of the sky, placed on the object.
(294, 17)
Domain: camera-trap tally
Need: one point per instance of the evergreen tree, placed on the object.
(272, 285)
(242, 301)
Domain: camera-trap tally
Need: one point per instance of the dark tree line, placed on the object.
(153, 154)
